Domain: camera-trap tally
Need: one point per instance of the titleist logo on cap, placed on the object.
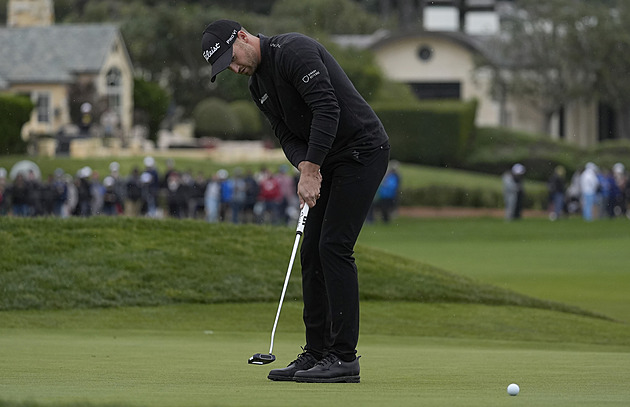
(207, 54)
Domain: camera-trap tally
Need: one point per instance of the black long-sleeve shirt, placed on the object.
(314, 109)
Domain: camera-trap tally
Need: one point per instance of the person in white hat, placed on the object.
(513, 193)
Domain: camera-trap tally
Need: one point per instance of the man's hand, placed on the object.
(310, 183)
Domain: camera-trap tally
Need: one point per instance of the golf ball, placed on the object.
(513, 389)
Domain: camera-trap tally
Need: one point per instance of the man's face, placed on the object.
(244, 58)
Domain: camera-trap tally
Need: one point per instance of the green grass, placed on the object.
(66, 263)
(574, 262)
(195, 355)
(137, 312)
(464, 321)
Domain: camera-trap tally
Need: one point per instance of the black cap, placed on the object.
(216, 44)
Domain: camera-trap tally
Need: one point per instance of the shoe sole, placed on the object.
(281, 378)
(340, 379)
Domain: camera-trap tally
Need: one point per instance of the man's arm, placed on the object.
(294, 148)
(302, 65)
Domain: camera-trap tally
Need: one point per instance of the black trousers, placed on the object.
(330, 284)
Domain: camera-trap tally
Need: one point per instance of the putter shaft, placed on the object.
(298, 235)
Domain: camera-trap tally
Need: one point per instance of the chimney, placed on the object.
(30, 13)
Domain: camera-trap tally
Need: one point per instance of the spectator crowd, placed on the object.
(239, 197)
(592, 192)
(242, 196)
(270, 197)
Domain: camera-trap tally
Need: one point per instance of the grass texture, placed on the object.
(584, 264)
(188, 355)
(136, 312)
(102, 262)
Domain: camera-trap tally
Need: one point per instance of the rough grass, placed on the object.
(53, 263)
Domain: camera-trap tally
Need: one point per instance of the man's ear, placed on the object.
(242, 35)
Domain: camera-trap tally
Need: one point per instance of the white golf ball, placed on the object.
(513, 389)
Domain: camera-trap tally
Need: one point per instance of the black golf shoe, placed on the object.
(304, 361)
(330, 369)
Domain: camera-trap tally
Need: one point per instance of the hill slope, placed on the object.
(110, 262)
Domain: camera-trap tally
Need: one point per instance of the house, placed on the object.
(438, 61)
(62, 67)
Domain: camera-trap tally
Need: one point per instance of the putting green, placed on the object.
(205, 367)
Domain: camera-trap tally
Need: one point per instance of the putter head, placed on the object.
(261, 359)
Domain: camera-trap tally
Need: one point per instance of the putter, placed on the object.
(263, 358)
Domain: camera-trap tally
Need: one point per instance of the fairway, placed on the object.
(208, 367)
(575, 262)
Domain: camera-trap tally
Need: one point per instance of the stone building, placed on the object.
(76, 74)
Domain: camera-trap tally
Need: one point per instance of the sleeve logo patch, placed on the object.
(310, 75)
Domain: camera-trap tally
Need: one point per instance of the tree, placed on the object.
(323, 16)
(538, 66)
(164, 44)
(361, 68)
(546, 54)
(151, 102)
(554, 52)
(611, 45)
(163, 38)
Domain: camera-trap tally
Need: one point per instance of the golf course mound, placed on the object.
(101, 262)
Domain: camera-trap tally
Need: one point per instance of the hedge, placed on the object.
(14, 112)
(468, 197)
(429, 133)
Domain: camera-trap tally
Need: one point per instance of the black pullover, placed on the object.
(314, 109)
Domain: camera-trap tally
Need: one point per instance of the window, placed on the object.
(437, 90)
(42, 103)
(114, 89)
(425, 53)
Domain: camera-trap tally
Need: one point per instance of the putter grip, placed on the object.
(302, 219)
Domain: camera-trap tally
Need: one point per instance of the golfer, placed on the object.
(336, 141)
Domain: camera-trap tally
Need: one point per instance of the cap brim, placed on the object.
(222, 63)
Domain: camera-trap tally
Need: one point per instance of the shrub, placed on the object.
(249, 118)
(495, 150)
(215, 118)
(609, 152)
(14, 112)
